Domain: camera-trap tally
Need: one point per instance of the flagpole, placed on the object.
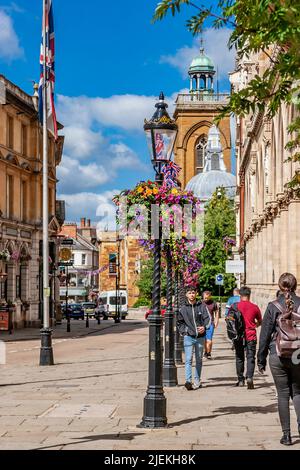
(46, 354)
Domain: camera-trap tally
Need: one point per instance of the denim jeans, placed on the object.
(286, 376)
(190, 344)
(240, 349)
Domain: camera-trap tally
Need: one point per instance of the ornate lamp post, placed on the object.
(161, 132)
(169, 369)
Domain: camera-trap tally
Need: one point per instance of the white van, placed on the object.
(108, 300)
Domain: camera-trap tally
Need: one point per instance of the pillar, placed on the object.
(293, 237)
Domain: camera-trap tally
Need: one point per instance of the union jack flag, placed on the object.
(50, 69)
(170, 170)
(159, 146)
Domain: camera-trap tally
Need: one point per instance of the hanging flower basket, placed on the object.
(15, 256)
(5, 255)
(148, 193)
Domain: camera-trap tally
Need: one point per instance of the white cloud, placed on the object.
(97, 207)
(74, 176)
(10, 48)
(81, 142)
(215, 47)
(126, 112)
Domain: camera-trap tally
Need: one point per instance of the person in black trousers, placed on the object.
(285, 371)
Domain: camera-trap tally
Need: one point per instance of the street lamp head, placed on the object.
(161, 132)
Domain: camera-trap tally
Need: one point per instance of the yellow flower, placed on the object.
(140, 189)
(155, 191)
(174, 191)
(148, 192)
(184, 234)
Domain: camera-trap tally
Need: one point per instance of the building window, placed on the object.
(18, 286)
(215, 161)
(112, 263)
(23, 204)
(200, 153)
(83, 260)
(24, 139)
(9, 196)
(10, 132)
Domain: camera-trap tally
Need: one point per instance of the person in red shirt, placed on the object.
(252, 320)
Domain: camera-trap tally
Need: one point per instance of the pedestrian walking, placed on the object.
(279, 338)
(246, 343)
(235, 298)
(213, 309)
(192, 323)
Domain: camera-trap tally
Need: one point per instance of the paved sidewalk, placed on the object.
(93, 398)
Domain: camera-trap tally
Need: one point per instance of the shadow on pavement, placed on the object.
(58, 332)
(73, 378)
(100, 437)
(235, 410)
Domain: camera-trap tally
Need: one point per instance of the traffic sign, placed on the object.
(219, 280)
(67, 241)
(235, 267)
(65, 254)
(65, 263)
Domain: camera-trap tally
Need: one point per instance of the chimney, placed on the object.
(82, 223)
(88, 223)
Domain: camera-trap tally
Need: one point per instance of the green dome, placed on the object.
(202, 63)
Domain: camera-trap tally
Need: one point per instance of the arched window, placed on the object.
(200, 152)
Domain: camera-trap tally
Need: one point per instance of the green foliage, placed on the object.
(271, 26)
(220, 222)
(141, 302)
(145, 283)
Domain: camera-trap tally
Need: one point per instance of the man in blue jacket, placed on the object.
(192, 322)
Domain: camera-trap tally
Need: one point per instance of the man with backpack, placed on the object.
(193, 321)
(242, 321)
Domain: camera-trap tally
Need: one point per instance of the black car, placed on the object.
(74, 311)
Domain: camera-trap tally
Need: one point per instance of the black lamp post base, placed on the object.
(46, 353)
(170, 376)
(155, 409)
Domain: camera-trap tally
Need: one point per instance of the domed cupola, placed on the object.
(214, 174)
(201, 72)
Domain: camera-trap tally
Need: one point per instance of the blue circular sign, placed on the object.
(219, 277)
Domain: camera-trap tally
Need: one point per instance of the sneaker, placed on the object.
(197, 385)
(286, 439)
(188, 386)
(240, 383)
(208, 356)
(250, 384)
(205, 354)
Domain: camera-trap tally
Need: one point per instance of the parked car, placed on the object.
(89, 308)
(74, 311)
(108, 299)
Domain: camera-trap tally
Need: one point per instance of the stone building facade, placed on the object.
(21, 205)
(268, 212)
(84, 279)
(194, 114)
(131, 255)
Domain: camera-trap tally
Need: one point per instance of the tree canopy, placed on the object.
(219, 228)
(270, 26)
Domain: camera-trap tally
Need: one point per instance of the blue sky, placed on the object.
(111, 64)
